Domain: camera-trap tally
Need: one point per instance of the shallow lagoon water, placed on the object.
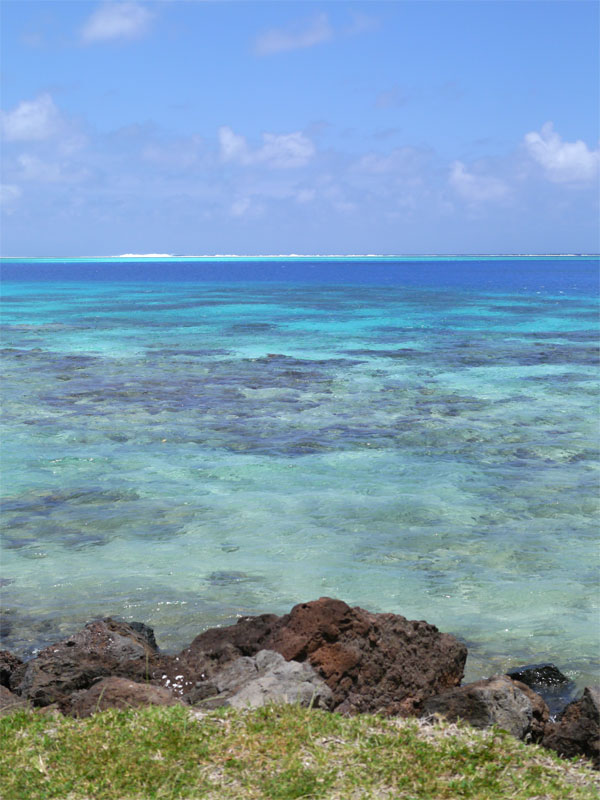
(182, 452)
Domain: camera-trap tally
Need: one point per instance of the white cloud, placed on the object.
(309, 33)
(305, 195)
(31, 120)
(476, 188)
(286, 150)
(361, 23)
(282, 151)
(403, 160)
(338, 199)
(233, 147)
(276, 40)
(116, 21)
(240, 206)
(563, 162)
(177, 154)
(401, 181)
(36, 169)
(9, 195)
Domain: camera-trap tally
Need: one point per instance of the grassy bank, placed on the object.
(275, 752)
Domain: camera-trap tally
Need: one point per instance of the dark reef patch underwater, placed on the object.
(187, 442)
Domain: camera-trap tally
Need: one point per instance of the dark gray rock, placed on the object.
(538, 675)
(548, 681)
(493, 701)
(540, 713)
(146, 631)
(577, 730)
(261, 679)
(101, 649)
(8, 664)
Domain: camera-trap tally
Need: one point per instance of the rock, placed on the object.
(548, 681)
(201, 693)
(190, 672)
(10, 702)
(371, 662)
(266, 678)
(216, 647)
(539, 710)
(538, 675)
(146, 631)
(281, 681)
(103, 648)
(493, 701)
(8, 664)
(118, 693)
(577, 731)
(242, 672)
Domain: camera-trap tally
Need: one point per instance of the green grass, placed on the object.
(278, 752)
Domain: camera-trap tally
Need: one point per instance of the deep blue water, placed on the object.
(190, 441)
(576, 274)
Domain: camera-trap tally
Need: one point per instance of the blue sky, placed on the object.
(299, 127)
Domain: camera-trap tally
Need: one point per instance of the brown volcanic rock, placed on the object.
(119, 693)
(577, 731)
(104, 647)
(217, 647)
(8, 664)
(371, 662)
(10, 702)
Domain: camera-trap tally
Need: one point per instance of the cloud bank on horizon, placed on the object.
(366, 127)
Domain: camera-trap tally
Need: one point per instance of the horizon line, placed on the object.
(159, 256)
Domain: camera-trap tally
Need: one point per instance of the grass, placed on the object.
(277, 752)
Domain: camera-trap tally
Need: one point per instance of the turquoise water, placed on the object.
(182, 452)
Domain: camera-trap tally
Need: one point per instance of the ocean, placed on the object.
(191, 440)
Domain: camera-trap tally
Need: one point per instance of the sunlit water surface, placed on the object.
(412, 438)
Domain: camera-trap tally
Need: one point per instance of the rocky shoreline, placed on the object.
(324, 654)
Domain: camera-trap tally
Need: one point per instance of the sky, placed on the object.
(339, 127)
